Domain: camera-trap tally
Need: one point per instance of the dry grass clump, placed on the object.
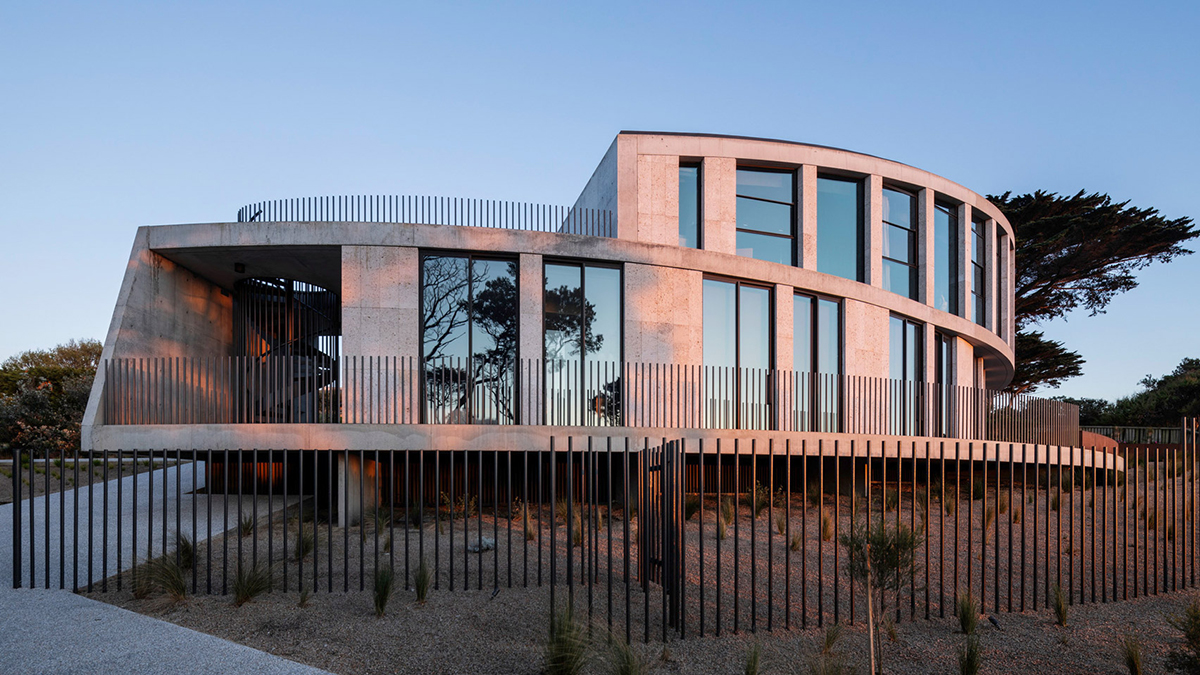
(970, 657)
(1131, 652)
(967, 611)
(826, 526)
(249, 582)
(422, 580)
(567, 646)
(384, 581)
(1060, 606)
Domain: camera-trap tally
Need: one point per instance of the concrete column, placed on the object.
(965, 307)
(808, 217)
(783, 327)
(873, 220)
(925, 251)
(990, 273)
(658, 199)
(381, 314)
(963, 423)
(355, 487)
(531, 291)
(865, 350)
(719, 204)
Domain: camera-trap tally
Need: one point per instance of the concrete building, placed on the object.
(699, 283)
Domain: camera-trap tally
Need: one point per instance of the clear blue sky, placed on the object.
(114, 115)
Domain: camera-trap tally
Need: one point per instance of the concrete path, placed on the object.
(57, 631)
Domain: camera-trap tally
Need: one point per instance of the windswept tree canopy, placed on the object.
(1077, 252)
(43, 394)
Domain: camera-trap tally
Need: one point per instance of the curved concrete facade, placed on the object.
(175, 296)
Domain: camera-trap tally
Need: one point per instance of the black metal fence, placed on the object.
(1139, 435)
(403, 390)
(419, 210)
(743, 535)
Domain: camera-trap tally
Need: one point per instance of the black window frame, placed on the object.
(913, 241)
(951, 209)
(979, 262)
(793, 174)
(471, 257)
(860, 235)
(815, 410)
(699, 167)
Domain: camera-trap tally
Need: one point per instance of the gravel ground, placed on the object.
(474, 632)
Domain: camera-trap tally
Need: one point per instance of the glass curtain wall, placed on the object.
(905, 372)
(689, 206)
(469, 339)
(582, 343)
(839, 227)
(816, 353)
(737, 355)
(978, 270)
(899, 243)
(766, 215)
(945, 258)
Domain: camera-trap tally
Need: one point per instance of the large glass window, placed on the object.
(737, 352)
(899, 243)
(816, 353)
(765, 215)
(944, 380)
(839, 227)
(469, 339)
(689, 206)
(582, 343)
(905, 371)
(978, 270)
(945, 258)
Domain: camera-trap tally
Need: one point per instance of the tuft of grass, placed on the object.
(950, 506)
(384, 581)
(968, 612)
(1131, 652)
(753, 660)
(306, 544)
(977, 489)
(989, 517)
(889, 627)
(577, 531)
(530, 533)
(1152, 522)
(891, 499)
(249, 582)
(622, 659)
(187, 551)
(246, 527)
(304, 595)
(691, 506)
(567, 647)
(727, 511)
(970, 657)
(1016, 516)
(1054, 502)
(422, 580)
(832, 634)
(162, 575)
(761, 499)
(1003, 502)
(796, 541)
(781, 523)
(1171, 532)
(1060, 606)
(722, 528)
(814, 493)
(826, 526)
(1186, 660)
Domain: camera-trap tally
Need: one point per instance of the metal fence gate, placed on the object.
(660, 537)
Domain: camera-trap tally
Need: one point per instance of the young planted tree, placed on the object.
(882, 558)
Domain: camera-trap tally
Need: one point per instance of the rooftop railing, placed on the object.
(417, 210)
(404, 390)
